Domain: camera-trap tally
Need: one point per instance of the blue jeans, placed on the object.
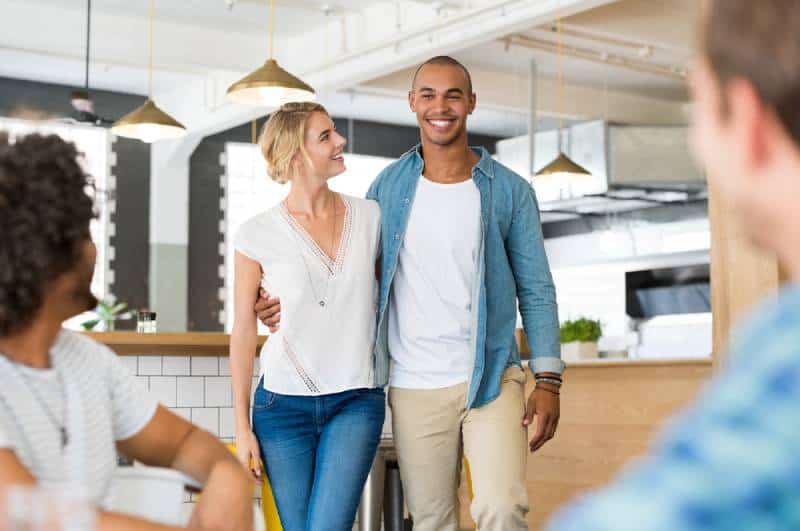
(318, 451)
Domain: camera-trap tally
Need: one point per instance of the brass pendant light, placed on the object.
(148, 123)
(562, 164)
(270, 85)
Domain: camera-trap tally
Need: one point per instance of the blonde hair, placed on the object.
(283, 137)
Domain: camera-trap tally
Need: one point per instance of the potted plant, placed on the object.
(579, 339)
(107, 313)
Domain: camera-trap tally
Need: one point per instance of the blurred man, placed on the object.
(67, 404)
(731, 461)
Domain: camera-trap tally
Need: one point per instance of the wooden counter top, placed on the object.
(216, 344)
(167, 344)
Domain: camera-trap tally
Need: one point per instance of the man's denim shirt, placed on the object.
(512, 265)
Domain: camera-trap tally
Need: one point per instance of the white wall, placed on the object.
(589, 271)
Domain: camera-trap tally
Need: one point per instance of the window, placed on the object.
(95, 144)
(248, 191)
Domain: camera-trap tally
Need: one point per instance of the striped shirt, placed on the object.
(87, 390)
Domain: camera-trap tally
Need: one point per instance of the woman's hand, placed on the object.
(248, 453)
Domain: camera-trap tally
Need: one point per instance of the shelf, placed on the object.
(167, 344)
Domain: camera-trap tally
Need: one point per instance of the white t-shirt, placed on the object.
(430, 310)
(92, 395)
(317, 349)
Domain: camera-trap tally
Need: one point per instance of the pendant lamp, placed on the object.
(562, 164)
(270, 85)
(148, 123)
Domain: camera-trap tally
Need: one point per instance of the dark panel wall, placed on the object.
(388, 140)
(132, 217)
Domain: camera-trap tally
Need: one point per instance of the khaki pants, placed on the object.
(431, 428)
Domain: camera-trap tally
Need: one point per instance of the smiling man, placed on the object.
(462, 244)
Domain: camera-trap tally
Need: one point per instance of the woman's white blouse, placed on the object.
(318, 349)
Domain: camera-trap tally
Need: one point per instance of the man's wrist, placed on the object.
(548, 375)
(550, 382)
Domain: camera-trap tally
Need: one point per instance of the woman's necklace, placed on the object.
(322, 301)
(61, 427)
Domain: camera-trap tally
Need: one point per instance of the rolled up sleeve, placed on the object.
(535, 290)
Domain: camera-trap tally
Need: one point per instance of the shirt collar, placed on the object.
(484, 165)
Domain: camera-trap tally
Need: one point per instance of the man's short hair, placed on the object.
(444, 60)
(44, 214)
(758, 41)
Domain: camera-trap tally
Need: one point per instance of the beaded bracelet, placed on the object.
(551, 381)
(552, 376)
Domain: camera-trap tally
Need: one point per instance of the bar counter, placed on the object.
(610, 409)
(167, 344)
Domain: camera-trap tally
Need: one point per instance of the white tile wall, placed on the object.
(149, 366)
(204, 397)
(224, 366)
(184, 412)
(205, 366)
(227, 423)
(198, 389)
(142, 383)
(207, 418)
(164, 389)
(218, 391)
(131, 362)
(190, 391)
(176, 366)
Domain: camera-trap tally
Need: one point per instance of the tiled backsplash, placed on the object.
(195, 387)
(199, 389)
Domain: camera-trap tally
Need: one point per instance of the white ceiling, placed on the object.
(243, 16)
(665, 26)
(623, 29)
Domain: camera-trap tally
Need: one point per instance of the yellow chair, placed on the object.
(272, 521)
(469, 479)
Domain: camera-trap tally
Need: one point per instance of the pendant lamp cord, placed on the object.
(560, 80)
(150, 49)
(271, 18)
(88, 33)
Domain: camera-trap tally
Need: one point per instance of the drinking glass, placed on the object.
(34, 508)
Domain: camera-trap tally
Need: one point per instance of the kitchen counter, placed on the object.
(217, 344)
(167, 344)
(610, 408)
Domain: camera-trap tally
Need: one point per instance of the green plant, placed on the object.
(107, 313)
(581, 329)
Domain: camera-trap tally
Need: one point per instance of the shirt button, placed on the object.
(405, 201)
(397, 236)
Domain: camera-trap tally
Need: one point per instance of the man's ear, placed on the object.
(750, 120)
(473, 101)
(412, 101)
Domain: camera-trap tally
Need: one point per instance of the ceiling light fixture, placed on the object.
(270, 85)
(562, 164)
(148, 123)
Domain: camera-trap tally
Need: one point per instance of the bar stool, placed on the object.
(269, 509)
(382, 498)
(383, 492)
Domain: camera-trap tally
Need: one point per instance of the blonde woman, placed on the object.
(319, 405)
